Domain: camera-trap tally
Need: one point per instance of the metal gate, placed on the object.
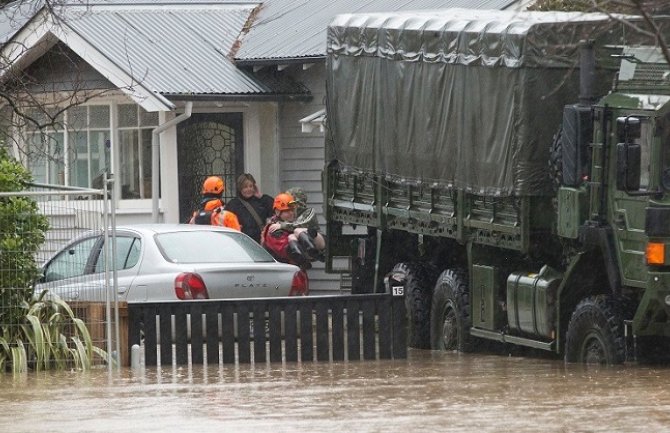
(75, 213)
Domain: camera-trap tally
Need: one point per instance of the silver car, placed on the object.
(160, 262)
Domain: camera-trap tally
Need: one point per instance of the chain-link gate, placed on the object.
(76, 259)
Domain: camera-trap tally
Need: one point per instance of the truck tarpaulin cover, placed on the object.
(465, 98)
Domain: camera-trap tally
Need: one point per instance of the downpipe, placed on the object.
(155, 156)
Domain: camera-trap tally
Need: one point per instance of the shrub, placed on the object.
(22, 232)
(42, 332)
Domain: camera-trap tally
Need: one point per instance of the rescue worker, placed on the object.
(287, 243)
(211, 206)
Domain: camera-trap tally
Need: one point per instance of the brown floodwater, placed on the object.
(429, 392)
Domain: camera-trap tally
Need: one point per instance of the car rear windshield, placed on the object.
(210, 247)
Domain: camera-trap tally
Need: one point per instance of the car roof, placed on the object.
(155, 228)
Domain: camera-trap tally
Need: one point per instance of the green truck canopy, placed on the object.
(463, 98)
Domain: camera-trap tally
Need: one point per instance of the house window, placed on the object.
(75, 149)
(76, 143)
(135, 127)
(88, 144)
(45, 152)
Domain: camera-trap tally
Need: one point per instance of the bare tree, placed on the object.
(35, 95)
(648, 18)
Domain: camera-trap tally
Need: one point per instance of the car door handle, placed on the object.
(121, 290)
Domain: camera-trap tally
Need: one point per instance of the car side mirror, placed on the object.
(41, 277)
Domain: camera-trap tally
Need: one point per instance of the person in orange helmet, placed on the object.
(211, 206)
(287, 243)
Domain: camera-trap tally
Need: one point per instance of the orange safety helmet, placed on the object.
(213, 185)
(283, 202)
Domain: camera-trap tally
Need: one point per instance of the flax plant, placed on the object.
(50, 336)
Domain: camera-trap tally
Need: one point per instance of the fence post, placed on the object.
(134, 320)
(399, 322)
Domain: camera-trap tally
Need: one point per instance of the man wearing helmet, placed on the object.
(211, 206)
(287, 243)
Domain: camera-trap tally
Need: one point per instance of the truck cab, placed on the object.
(632, 182)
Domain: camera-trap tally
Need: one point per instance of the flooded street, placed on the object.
(434, 392)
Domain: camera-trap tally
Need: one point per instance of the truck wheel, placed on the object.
(450, 313)
(417, 280)
(595, 332)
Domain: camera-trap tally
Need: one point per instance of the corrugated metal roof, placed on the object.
(297, 28)
(14, 15)
(171, 51)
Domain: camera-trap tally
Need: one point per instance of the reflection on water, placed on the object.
(429, 392)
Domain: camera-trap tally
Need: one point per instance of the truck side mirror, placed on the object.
(629, 129)
(629, 154)
(628, 166)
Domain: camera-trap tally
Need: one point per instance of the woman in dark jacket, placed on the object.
(251, 207)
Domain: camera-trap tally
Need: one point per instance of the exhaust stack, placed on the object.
(587, 73)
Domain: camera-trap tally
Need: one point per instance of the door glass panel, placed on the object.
(127, 254)
(71, 262)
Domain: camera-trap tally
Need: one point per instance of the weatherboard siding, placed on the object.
(302, 158)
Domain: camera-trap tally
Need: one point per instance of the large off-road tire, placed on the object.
(596, 332)
(417, 279)
(450, 319)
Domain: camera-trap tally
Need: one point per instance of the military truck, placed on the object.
(509, 172)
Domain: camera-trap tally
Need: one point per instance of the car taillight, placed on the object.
(188, 285)
(300, 284)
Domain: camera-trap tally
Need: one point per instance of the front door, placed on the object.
(208, 144)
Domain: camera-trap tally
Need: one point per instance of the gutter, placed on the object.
(303, 97)
(274, 61)
(155, 156)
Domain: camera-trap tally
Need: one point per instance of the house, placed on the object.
(249, 76)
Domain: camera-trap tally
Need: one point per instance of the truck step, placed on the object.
(513, 339)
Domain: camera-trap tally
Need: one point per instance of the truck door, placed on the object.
(629, 202)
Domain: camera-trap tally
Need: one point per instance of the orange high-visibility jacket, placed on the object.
(217, 216)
